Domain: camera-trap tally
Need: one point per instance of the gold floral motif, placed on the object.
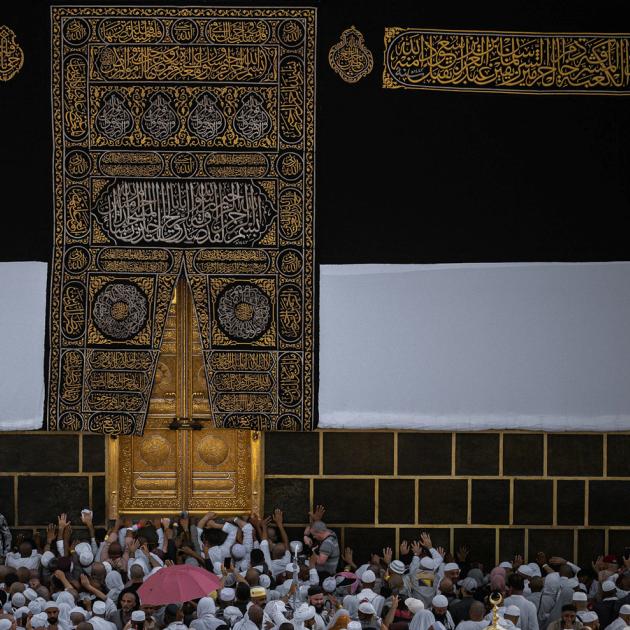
(11, 54)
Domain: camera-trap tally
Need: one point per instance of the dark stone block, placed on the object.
(523, 454)
(98, 500)
(346, 500)
(511, 543)
(396, 501)
(533, 502)
(570, 502)
(443, 501)
(477, 454)
(291, 453)
(480, 541)
(366, 541)
(571, 455)
(618, 463)
(6, 499)
(618, 540)
(424, 453)
(41, 499)
(608, 504)
(93, 453)
(358, 453)
(291, 496)
(490, 502)
(590, 545)
(554, 542)
(40, 453)
(440, 536)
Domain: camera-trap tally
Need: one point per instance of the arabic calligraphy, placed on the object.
(11, 54)
(183, 138)
(350, 58)
(222, 64)
(518, 62)
(228, 212)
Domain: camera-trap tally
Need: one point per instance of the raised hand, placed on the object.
(404, 548)
(598, 565)
(462, 553)
(317, 514)
(416, 547)
(347, 555)
(165, 523)
(62, 520)
(441, 551)
(86, 519)
(517, 562)
(278, 516)
(395, 602)
(387, 555)
(425, 540)
(51, 533)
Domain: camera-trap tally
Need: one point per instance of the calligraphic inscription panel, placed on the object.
(537, 63)
(183, 144)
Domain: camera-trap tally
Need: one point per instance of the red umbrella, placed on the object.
(178, 583)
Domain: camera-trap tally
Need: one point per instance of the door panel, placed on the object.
(166, 470)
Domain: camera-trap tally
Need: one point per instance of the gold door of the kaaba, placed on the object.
(182, 462)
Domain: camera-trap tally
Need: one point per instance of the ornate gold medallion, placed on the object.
(350, 58)
(11, 55)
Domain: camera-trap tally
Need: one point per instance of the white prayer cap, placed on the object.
(22, 610)
(354, 625)
(368, 577)
(505, 565)
(5, 624)
(588, 616)
(216, 567)
(625, 609)
(512, 610)
(535, 569)
(608, 586)
(108, 566)
(40, 620)
(427, 563)
(18, 600)
(86, 558)
(138, 615)
(264, 580)
(470, 584)
(451, 566)
(396, 566)
(99, 607)
(82, 547)
(366, 608)
(227, 595)
(439, 601)
(238, 551)
(232, 613)
(49, 605)
(525, 570)
(47, 556)
(305, 612)
(579, 596)
(414, 605)
(35, 606)
(329, 584)
(30, 594)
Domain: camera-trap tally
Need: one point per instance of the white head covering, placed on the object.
(78, 609)
(588, 616)
(30, 594)
(354, 625)
(48, 605)
(40, 620)
(99, 607)
(5, 624)
(81, 547)
(427, 563)
(18, 600)
(368, 577)
(264, 580)
(114, 584)
(86, 558)
(451, 566)
(329, 584)
(304, 612)
(512, 610)
(65, 598)
(414, 605)
(108, 566)
(35, 606)
(227, 595)
(439, 601)
(608, 586)
(238, 551)
(47, 556)
(366, 608)
(232, 614)
(505, 565)
(625, 609)
(579, 596)
(422, 620)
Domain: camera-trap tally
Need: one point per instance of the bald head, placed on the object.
(255, 614)
(477, 611)
(252, 577)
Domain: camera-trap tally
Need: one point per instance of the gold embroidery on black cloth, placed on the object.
(11, 54)
(530, 63)
(183, 144)
(350, 58)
